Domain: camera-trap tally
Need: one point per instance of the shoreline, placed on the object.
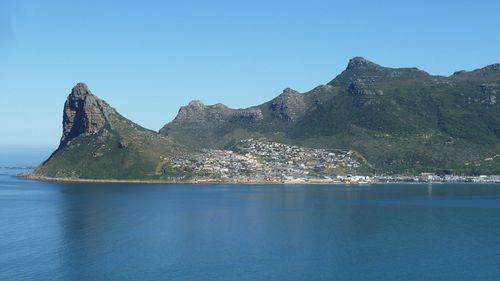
(214, 182)
(68, 180)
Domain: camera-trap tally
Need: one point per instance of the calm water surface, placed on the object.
(55, 231)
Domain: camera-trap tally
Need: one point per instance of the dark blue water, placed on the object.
(54, 231)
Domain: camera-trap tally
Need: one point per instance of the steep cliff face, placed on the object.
(84, 114)
(98, 143)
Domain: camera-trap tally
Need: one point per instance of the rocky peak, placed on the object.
(196, 104)
(84, 114)
(289, 106)
(360, 63)
(289, 91)
(80, 90)
(488, 70)
(492, 69)
(460, 72)
(198, 114)
(196, 111)
(360, 68)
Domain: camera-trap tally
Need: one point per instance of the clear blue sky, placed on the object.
(148, 58)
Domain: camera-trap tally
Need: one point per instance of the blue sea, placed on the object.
(59, 231)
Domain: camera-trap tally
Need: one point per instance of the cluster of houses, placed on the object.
(258, 160)
(434, 178)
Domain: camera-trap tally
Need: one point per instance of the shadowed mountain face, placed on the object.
(396, 120)
(84, 114)
(402, 120)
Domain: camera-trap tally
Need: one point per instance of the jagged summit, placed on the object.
(80, 89)
(360, 62)
(84, 113)
(495, 66)
(361, 69)
(289, 91)
(196, 103)
(207, 115)
(288, 106)
(492, 69)
(196, 111)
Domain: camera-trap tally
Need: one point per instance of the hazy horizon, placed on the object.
(149, 58)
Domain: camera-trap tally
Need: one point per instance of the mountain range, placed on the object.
(395, 120)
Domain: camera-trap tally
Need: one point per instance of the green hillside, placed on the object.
(401, 120)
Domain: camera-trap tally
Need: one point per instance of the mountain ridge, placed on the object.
(367, 101)
(356, 61)
(400, 120)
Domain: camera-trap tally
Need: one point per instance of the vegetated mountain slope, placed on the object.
(99, 143)
(402, 120)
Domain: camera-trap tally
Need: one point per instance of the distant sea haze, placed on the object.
(16, 157)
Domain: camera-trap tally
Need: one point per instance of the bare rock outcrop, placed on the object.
(358, 88)
(197, 112)
(490, 91)
(288, 106)
(247, 115)
(84, 114)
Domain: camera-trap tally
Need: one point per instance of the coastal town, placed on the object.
(262, 161)
(257, 160)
